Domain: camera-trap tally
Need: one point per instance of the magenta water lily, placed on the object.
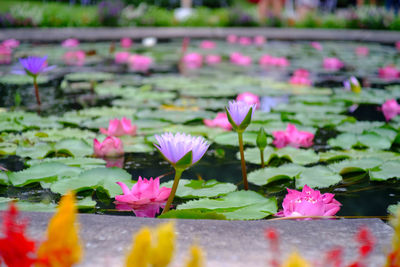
(182, 151)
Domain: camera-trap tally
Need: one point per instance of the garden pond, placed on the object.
(354, 155)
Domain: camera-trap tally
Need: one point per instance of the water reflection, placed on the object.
(145, 211)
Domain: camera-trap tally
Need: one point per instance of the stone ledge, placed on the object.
(109, 34)
(227, 243)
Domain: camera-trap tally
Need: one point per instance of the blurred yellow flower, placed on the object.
(139, 255)
(196, 257)
(393, 258)
(295, 260)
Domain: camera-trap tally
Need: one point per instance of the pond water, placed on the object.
(354, 154)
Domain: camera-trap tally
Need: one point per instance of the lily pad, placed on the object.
(389, 169)
(83, 163)
(231, 138)
(356, 165)
(3, 178)
(295, 155)
(267, 175)
(31, 206)
(192, 214)
(317, 177)
(199, 189)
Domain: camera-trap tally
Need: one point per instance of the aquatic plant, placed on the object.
(221, 121)
(362, 51)
(213, 59)
(270, 61)
(389, 72)
(232, 39)
(292, 137)
(5, 54)
(239, 115)
(74, 58)
(352, 84)
(259, 40)
(207, 45)
(308, 202)
(121, 57)
(261, 144)
(139, 63)
(118, 127)
(126, 42)
(332, 64)
(316, 46)
(70, 43)
(300, 77)
(10, 43)
(110, 147)
(182, 151)
(237, 58)
(143, 192)
(390, 109)
(249, 98)
(193, 60)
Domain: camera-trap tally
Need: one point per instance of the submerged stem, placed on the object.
(178, 174)
(35, 84)
(262, 158)
(244, 173)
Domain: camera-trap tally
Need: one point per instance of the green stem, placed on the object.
(244, 173)
(36, 90)
(178, 174)
(262, 158)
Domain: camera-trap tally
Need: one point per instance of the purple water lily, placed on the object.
(33, 66)
(238, 111)
(174, 147)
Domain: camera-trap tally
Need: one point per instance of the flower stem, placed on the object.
(36, 90)
(244, 173)
(178, 174)
(262, 158)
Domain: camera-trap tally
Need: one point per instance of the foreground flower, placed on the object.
(249, 98)
(15, 248)
(143, 192)
(333, 64)
(352, 85)
(62, 246)
(221, 121)
(196, 257)
(121, 57)
(295, 260)
(208, 45)
(292, 137)
(139, 63)
(182, 151)
(70, 43)
(308, 202)
(393, 258)
(126, 42)
(118, 127)
(74, 58)
(193, 60)
(390, 109)
(389, 72)
(110, 147)
(10, 43)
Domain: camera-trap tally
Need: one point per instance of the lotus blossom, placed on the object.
(238, 111)
(33, 66)
(245, 41)
(74, 58)
(193, 60)
(174, 147)
(362, 51)
(144, 211)
(308, 202)
(70, 43)
(300, 77)
(316, 46)
(139, 63)
(389, 72)
(333, 64)
(110, 147)
(239, 59)
(267, 60)
(249, 98)
(118, 127)
(398, 45)
(5, 54)
(206, 44)
(122, 57)
(390, 109)
(10, 43)
(221, 121)
(213, 59)
(231, 38)
(143, 192)
(126, 42)
(292, 137)
(259, 40)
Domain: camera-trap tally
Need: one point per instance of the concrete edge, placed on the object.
(109, 34)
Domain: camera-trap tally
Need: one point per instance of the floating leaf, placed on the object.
(30, 206)
(267, 175)
(192, 214)
(334, 155)
(199, 188)
(83, 163)
(389, 169)
(295, 155)
(317, 177)
(231, 138)
(356, 165)
(3, 178)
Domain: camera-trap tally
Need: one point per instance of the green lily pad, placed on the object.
(74, 147)
(267, 175)
(3, 178)
(231, 138)
(192, 214)
(371, 140)
(83, 163)
(392, 209)
(317, 177)
(389, 169)
(89, 76)
(355, 165)
(31, 206)
(8, 148)
(359, 126)
(334, 155)
(86, 203)
(199, 189)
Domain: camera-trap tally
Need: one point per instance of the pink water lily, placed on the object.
(10, 43)
(300, 77)
(232, 39)
(213, 59)
(143, 192)
(292, 137)
(74, 58)
(267, 60)
(362, 51)
(389, 72)
(245, 41)
(333, 64)
(390, 109)
(139, 63)
(207, 45)
(316, 46)
(110, 147)
(308, 202)
(145, 211)
(126, 42)
(71, 42)
(259, 40)
(121, 57)
(5, 55)
(239, 59)
(398, 45)
(118, 127)
(221, 121)
(249, 98)
(193, 60)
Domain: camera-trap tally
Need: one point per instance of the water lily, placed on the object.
(207, 45)
(300, 77)
(213, 59)
(74, 58)
(249, 98)
(362, 51)
(332, 64)
(121, 57)
(245, 41)
(292, 137)
(110, 147)
(389, 72)
(398, 45)
(259, 40)
(143, 192)
(221, 121)
(239, 59)
(390, 109)
(182, 151)
(308, 202)
(126, 42)
(232, 39)
(352, 84)
(10, 43)
(139, 63)
(193, 60)
(5, 54)
(71, 42)
(267, 61)
(118, 127)
(145, 211)
(316, 46)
